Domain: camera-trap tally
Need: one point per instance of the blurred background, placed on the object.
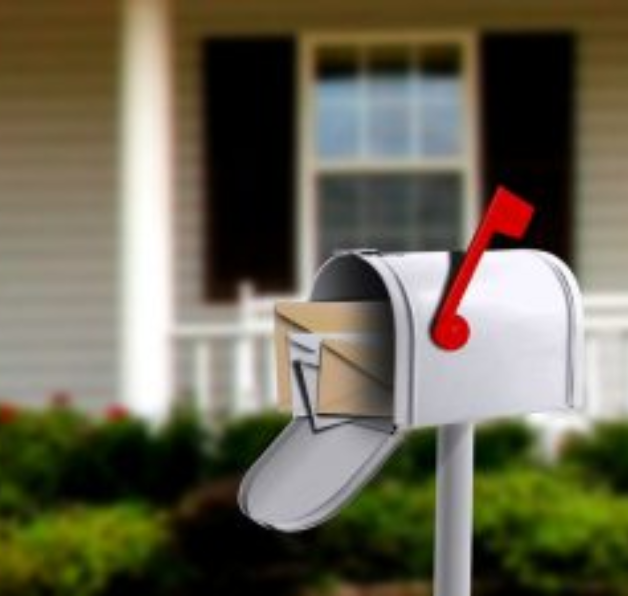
(168, 169)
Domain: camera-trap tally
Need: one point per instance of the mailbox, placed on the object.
(523, 356)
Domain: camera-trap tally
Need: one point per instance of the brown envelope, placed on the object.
(322, 317)
(355, 379)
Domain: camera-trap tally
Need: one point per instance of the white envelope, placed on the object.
(307, 381)
(304, 357)
(353, 373)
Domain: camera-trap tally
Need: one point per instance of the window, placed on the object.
(388, 143)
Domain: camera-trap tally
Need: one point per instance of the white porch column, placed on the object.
(146, 207)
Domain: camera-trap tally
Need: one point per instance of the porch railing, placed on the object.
(238, 356)
(606, 356)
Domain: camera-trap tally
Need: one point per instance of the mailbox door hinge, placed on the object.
(357, 251)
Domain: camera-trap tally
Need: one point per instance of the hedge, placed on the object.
(110, 506)
(81, 552)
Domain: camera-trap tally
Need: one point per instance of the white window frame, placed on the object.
(310, 165)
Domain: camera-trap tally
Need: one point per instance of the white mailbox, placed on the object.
(523, 355)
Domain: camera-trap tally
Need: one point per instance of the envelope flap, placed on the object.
(369, 358)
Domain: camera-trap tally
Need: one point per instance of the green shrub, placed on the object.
(125, 459)
(231, 556)
(113, 461)
(536, 532)
(386, 534)
(243, 440)
(545, 534)
(498, 445)
(414, 460)
(34, 448)
(504, 444)
(81, 552)
(183, 456)
(600, 455)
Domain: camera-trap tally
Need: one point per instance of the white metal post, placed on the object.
(454, 510)
(146, 207)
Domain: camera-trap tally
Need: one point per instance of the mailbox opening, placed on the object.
(349, 277)
(365, 276)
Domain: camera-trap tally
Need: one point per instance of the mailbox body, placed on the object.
(523, 356)
(526, 345)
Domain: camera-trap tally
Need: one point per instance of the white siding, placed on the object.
(57, 198)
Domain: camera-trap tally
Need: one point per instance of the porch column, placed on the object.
(146, 207)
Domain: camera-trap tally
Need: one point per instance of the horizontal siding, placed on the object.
(603, 173)
(58, 113)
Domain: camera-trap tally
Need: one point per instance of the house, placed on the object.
(160, 159)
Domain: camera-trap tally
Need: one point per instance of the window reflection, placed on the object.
(378, 106)
(389, 102)
(390, 212)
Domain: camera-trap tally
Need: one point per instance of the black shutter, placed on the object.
(527, 117)
(249, 140)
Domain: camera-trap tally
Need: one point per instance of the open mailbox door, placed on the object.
(523, 356)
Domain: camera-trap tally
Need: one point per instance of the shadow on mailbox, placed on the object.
(525, 313)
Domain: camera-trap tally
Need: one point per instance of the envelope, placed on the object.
(307, 380)
(304, 360)
(337, 377)
(300, 354)
(355, 379)
(321, 318)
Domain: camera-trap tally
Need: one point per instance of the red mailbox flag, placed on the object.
(507, 214)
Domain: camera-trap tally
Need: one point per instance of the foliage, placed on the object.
(230, 555)
(386, 534)
(600, 455)
(503, 445)
(80, 552)
(123, 458)
(498, 446)
(414, 460)
(546, 534)
(538, 529)
(34, 449)
(242, 441)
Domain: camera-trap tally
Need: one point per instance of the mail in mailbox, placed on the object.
(523, 356)
(342, 375)
(355, 334)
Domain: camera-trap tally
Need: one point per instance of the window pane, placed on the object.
(337, 102)
(389, 212)
(438, 92)
(388, 73)
(388, 101)
(389, 134)
(338, 131)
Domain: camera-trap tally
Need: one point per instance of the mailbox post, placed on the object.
(454, 510)
(499, 335)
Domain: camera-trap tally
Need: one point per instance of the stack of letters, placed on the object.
(335, 362)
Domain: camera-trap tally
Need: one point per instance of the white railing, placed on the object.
(233, 358)
(238, 356)
(606, 364)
